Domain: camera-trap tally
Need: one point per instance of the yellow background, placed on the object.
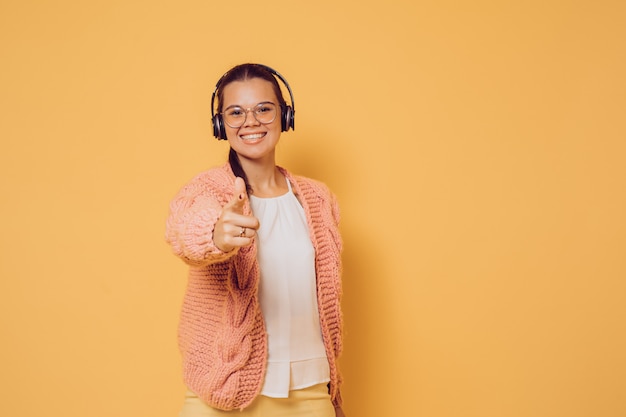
(477, 150)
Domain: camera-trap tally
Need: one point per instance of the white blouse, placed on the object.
(288, 297)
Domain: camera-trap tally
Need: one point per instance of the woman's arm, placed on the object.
(189, 228)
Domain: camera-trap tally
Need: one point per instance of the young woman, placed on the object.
(260, 328)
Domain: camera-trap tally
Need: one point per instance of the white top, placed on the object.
(288, 297)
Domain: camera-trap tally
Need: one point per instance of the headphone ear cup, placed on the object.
(218, 127)
(287, 121)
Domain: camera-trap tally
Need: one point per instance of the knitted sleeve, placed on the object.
(189, 228)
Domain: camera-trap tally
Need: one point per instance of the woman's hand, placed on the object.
(234, 229)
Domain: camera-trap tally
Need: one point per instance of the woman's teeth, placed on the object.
(252, 137)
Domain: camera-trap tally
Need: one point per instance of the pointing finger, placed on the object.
(239, 196)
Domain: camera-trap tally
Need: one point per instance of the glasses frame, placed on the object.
(250, 110)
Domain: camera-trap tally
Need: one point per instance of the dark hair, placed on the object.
(245, 72)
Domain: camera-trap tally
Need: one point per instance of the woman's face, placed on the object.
(253, 140)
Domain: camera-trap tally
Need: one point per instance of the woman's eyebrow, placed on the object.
(239, 105)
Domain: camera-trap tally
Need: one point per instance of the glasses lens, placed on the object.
(263, 112)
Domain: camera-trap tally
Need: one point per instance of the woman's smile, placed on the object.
(252, 137)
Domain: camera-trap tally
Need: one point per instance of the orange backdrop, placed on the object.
(477, 150)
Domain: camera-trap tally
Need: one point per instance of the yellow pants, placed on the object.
(308, 402)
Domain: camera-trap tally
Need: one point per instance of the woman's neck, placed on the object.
(265, 179)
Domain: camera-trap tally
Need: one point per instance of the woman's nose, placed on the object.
(250, 118)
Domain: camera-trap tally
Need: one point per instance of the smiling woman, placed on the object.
(253, 75)
(260, 329)
(254, 141)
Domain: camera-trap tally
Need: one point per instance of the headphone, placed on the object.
(287, 112)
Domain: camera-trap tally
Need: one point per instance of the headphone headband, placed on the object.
(288, 111)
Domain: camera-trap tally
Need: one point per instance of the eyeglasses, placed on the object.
(236, 116)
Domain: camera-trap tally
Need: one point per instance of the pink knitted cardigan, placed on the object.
(222, 334)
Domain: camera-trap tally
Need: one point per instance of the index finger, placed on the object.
(239, 196)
